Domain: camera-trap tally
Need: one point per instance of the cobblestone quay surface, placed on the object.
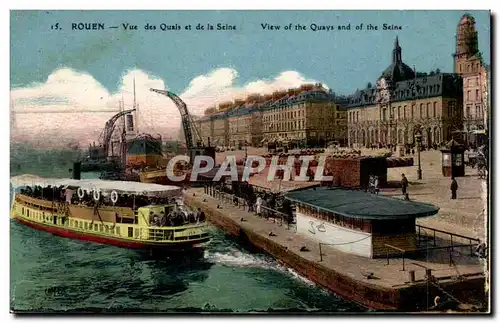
(389, 287)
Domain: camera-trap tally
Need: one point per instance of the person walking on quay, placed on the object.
(453, 188)
(404, 184)
(258, 205)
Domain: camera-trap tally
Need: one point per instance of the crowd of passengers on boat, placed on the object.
(176, 218)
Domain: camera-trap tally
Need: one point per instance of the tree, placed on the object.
(369, 85)
(438, 71)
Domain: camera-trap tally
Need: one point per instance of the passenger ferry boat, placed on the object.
(119, 213)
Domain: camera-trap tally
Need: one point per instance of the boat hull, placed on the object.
(117, 242)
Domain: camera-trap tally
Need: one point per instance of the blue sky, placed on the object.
(344, 60)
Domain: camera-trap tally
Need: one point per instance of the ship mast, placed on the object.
(123, 141)
(13, 123)
(136, 112)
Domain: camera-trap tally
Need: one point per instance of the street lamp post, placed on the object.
(418, 138)
(392, 132)
(246, 151)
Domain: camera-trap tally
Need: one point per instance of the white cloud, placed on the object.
(67, 89)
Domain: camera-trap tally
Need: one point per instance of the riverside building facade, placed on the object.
(402, 102)
(307, 115)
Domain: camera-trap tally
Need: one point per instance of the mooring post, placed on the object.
(419, 236)
(428, 273)
(387, 254)
(403, 253)
(451, 260)
(320, 253)
(412, 276)
(434, 238)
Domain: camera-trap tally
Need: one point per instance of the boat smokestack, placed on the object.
(77, 170)
(130, 123)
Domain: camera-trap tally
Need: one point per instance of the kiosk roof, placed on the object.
(359, 204)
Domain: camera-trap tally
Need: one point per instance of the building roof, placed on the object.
(314, 94)
(398, 71)
(442, 84)
(467, 19)
(361, 205)
(405, 85)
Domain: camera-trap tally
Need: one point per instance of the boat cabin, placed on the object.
(358, 222)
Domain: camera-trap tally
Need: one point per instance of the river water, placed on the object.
(49, 273)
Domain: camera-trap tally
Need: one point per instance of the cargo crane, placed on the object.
(105, 137)
(187, 125)
(99, 155)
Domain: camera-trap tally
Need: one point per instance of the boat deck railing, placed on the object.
(169, 234)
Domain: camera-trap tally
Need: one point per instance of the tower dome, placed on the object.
(398, 71)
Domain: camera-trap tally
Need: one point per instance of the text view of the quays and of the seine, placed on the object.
(250, 161)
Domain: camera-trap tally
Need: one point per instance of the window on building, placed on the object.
(404, 112)
(468, 95)
(412, 111)
(399, 112)
(467, 111)
(451, 107)
(434, 109)
(427, 110)
(421, 110)
(477, 95)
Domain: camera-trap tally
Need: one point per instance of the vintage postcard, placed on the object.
(250, 161)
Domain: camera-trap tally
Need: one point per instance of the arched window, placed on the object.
(421, 110)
